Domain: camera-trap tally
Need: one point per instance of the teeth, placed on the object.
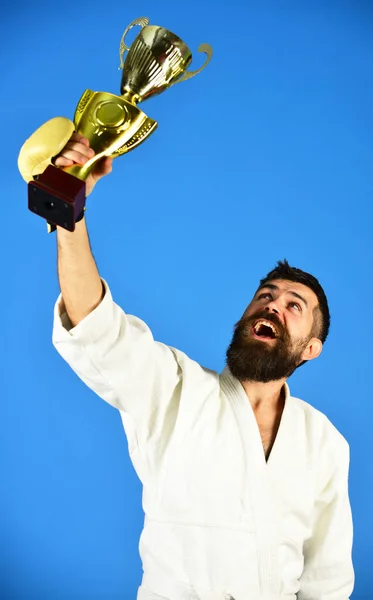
(266, 323)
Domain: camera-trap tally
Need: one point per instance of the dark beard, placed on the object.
(249, 359)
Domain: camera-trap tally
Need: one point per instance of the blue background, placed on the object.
(267, 154)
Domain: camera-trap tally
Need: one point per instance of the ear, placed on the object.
(313, 350)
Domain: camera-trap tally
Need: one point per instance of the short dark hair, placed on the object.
(284, 271)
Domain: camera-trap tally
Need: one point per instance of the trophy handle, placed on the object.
(206, 48)
(142, 22)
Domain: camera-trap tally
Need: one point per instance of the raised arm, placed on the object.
(114, 353)
(80, 282)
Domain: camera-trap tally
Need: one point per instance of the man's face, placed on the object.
(274, 334)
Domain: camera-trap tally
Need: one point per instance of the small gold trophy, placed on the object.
(114, 125)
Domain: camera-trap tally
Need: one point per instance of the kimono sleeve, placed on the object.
(328, 570)
(116, 356)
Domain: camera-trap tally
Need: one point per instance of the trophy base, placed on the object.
(57, 197)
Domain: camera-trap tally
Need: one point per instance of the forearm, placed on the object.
(79, 279)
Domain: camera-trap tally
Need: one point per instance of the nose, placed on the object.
(271, 307)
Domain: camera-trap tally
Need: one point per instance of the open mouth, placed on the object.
(264, 330)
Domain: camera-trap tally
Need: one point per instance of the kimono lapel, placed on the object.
(260, 498)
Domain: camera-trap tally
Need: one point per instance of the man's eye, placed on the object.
(265, 295)
(295, 305)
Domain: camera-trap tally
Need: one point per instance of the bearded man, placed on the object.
(245, 488)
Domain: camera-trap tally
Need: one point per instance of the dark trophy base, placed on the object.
(58, 197)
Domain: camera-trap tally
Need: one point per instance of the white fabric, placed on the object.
(220, 521)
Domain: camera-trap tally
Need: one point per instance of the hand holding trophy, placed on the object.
(78, 151)
(113, 125)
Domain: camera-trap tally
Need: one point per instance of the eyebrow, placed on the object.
(272, 286)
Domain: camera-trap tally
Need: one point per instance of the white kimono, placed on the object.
(220, 521)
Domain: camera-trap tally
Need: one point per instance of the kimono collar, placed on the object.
(226, 374)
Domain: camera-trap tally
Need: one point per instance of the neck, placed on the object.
(265, 396)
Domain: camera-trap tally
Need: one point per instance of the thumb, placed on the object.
(103, 167)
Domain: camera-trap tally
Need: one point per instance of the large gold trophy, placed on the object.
(113, 124)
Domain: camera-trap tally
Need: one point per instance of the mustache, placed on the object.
(262, 314)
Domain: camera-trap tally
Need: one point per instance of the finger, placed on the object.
(61, 161)
(77, 137)
(73, 155)
(79, 147)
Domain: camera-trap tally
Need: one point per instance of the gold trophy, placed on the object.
(114, 125)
